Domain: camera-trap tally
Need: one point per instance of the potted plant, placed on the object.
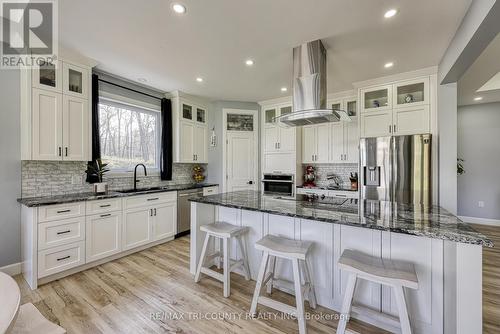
(98, 169)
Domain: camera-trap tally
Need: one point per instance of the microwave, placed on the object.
(278, 185)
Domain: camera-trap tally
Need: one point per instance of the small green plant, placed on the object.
(460, 166)
(98, 169)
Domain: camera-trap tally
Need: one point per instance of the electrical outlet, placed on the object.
(480, 204)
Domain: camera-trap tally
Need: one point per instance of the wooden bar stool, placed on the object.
(223, 231)
(395, 274)
(276, 247)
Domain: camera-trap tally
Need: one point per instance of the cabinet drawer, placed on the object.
(55, 260)
(210, 191)
(62, 232)
(150, 199)
(103, 206)
(309, 191)
(343, 194)
(61, 211)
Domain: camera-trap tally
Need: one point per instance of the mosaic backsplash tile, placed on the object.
(341, 170)
(48, 178)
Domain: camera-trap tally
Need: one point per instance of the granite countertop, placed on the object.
(80, 197)
(342, 188)
(432, 221)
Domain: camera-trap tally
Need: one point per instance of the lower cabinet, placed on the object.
(103, 235)
(164, 221)
(137, 227)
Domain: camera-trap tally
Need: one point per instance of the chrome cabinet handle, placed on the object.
(394, 128)
(390, 129)
(155, 211)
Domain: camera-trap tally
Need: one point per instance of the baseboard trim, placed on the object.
(482, 221)
(12, 269)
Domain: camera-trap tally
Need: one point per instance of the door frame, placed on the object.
(255, 113)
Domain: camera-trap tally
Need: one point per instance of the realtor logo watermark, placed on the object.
(29, 33)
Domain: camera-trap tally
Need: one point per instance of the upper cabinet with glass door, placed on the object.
(194, 113)
(75, 80)
(201, 115)
(48, 77)
(411, 92)
(269, 115)
(376, 98)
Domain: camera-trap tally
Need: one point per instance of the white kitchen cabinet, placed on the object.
(376, 124)
(137, 227)
(411, 93)
(75, 128)
(48, 77)
(316, 143)
(75, 80)
(190, 131)
(278, 138)
(411, 120)
(103, 235)
(270, 139)
(164, 221)
(278, 162)
(376, 99)
(344, 142)
(338, 146)
(47, 125)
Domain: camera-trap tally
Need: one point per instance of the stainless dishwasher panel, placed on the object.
(184, 210)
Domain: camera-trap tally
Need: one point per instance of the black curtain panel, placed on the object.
(96, 145)
(166, 140)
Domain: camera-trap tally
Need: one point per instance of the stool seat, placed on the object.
(385, 269)
(223, 230)
(282, 247)
(11, 301)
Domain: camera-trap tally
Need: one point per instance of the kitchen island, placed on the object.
(447, 253)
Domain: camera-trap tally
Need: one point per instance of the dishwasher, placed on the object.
(184, 210)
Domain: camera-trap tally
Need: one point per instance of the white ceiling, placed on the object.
(146, 39)
(484, 69)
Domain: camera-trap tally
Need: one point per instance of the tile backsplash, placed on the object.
(46, 178)
(341, 170)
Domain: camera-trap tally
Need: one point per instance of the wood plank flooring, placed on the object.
(491, 280)
(153, 292)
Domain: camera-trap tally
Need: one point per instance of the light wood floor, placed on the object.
(491, 281)
(120, 296)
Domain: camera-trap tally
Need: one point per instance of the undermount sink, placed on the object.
(140, 190)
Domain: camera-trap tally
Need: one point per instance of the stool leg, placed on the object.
(272, 270)
(220, 258)
(227, 281)
(308, 278)
(258, 284)
(404, 319)
(346, 306)
(202, 258)
(244, 256)
(299, 297)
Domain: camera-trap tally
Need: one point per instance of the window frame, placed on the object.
(139, 106)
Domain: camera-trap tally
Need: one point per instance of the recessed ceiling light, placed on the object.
(479, 98)
(178, 8)
(284, 89)
(249, 62)
(142, 80)
(199, 79)
(389, 65)
(390, 13)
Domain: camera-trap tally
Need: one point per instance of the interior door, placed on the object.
(75, 129)
(241, 162)
(47, 125)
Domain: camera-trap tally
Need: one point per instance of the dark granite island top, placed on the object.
(80, 197)
(432, 221)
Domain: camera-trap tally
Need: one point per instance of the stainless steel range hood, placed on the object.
(309, 88)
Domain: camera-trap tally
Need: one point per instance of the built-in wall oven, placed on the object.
(278, 185)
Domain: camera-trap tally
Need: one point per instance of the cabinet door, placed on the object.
(187, 112)
(187, 142)
(200, 143)
(411, 93)
(376, 99)
(351, 142)
(47, 125)
(269, 115)
(201, 115)
(136, 227)
(75, 128)
(322, 142)
(103, 235)
(75, 81)
(165, 221)
(376, 124)
(48, 77)
(337, 143)
(412, 120)
(270, 138)
(308, 144)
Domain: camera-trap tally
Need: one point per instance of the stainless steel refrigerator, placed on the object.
(396, 169)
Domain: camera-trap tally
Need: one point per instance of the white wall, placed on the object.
(478, 145)
(215, 120)
(10, 167)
